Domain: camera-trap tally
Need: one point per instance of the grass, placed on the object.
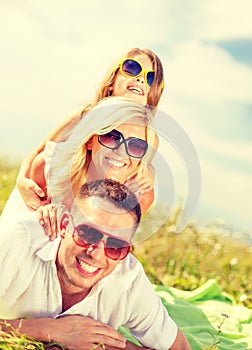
(185, 260)
(188, 259)
(13, 340)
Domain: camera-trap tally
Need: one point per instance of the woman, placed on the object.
(115, 140)
(138, 75)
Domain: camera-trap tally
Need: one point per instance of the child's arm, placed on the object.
(33, 195)
(146, 183)
(30, 187)
(146, 199)
(142, 184)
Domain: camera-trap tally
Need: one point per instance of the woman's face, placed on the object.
(115, 163)
(135, 88)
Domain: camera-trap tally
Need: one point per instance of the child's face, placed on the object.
(115, 163)
(134, 87)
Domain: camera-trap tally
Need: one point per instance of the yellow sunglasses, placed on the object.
(131, 68)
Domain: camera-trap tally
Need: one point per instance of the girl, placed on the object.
(138, 75)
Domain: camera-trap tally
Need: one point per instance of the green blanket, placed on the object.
(199, 314)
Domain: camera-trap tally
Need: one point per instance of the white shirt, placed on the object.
(30, 287)
(13, 206)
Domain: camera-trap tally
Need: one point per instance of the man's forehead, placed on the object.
(102, 213)
(97, 204)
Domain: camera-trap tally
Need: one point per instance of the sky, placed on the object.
(54, 54)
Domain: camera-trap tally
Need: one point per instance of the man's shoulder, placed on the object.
(128, 270)
(24, 225)
(128, 279)
(131, 262)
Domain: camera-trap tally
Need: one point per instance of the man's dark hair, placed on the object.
(115, 192)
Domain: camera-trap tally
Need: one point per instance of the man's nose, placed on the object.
(96, 250)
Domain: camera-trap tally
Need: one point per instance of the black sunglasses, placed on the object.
(135, 147)
(114, 248)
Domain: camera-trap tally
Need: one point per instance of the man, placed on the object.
(78, 289)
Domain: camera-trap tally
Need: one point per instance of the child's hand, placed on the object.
(32, 194)
(142, 182)
(47, 217)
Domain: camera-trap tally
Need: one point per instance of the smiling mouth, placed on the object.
(136, 90)
(114, 163)
(86, 269)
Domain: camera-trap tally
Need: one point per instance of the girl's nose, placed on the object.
(140, 78)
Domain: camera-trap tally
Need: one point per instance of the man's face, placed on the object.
(80, 268)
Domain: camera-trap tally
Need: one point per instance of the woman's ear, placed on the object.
(64, 221)
(89, 144)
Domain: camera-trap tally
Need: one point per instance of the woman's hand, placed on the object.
(47, 217)
(32, 194)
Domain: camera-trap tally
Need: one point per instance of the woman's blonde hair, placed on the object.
(71, 158)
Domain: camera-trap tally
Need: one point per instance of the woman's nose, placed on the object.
(121, 150)
(96, 250)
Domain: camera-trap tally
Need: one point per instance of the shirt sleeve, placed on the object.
(14, 249)
(149, 320)
(21, 238)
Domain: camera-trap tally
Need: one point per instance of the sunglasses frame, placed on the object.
(145, 71)
(105, 248)
(125, 141)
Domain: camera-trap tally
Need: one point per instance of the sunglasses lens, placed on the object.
(85, 235)
(116, 249)
(150, 78)
(111, 139)
(136, 147)
(131, 68)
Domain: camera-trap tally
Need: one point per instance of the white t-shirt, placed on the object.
(30, 287)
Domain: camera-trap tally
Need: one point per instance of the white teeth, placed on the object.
(115, 162)
(87, 267)
(136, 90)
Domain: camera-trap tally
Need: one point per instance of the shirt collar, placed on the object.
(49, 250)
